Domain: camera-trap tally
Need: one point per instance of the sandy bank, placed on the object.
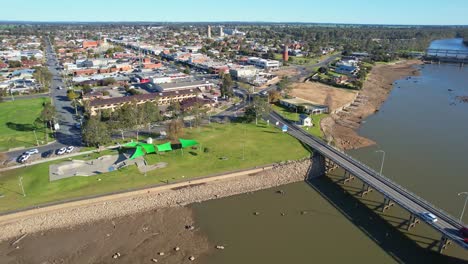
(342, 127)
(136, 226)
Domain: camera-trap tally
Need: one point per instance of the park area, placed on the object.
(17, 123)
(294, 117)
(222, 148)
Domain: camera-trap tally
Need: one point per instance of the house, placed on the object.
(90, 44)
(305, 106)
(347, 70)
(305, 120)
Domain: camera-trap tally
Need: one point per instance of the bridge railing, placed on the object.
(446, 216)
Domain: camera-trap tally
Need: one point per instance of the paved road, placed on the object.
(446, 224)
(67, 134)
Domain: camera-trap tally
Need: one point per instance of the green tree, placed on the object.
(226, 86)
(187, 70)
(95, 133)
(47, 117)
(14, 64)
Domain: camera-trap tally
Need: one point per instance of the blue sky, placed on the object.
(422, 12)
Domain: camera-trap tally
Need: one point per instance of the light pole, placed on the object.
(21, 184)
(383, 160)
(466, 200)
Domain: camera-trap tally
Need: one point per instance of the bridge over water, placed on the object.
(326, 155)
(446, 55)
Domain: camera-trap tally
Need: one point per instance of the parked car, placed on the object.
(428, 217)
(59, 88)
(47, 153)
(23, 158)
(464, 234)
(31, 152)
(61, 151)
(70, 149)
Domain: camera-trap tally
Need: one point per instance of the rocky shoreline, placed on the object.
(280, 174)
(341, 128)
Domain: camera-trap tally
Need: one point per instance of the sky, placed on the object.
(406, 12)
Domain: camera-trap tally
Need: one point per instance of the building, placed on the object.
(305, 120)
(221, 31)
(163, 98)
(243, 73)
(199, 85)
(209, 32)
(347, 70)
(263, 63)
(301, 105)
(89, 44)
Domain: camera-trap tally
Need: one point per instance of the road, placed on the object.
(446, 224)
(67, 134)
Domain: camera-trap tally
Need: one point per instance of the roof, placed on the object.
(181, 85)
(140, 97)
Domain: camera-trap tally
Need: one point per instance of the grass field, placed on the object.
(241, 145)
(16, 123)
(293, 116)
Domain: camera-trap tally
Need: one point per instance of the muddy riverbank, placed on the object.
(135, 227)
(342, 127)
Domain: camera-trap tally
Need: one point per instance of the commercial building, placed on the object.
(263, 63)
(163, 98)
(199, 85)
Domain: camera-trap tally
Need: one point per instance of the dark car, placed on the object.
(47, 154)
(464, 234)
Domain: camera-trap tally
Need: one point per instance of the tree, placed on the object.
(43, 76)
(108, 81)
(187, 70)
(226, 86)
(174, 107)
(175, 128)
(259, 107)
(71, 95)
(274, 96)
(323, 69)
(14, 64)
(47, 116)
(95, 132)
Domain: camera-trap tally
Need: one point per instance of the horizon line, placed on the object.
(228, 21)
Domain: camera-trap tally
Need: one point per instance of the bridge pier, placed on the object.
(443, 244)
(318, 167)
(386, 204)
(412, 222)
(365, 189)
(329, 165)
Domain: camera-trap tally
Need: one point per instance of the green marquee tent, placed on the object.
(164, 147)
(187, 142)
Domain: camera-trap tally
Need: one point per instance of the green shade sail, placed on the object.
(187, 142)
(138, 152)
(164, 147)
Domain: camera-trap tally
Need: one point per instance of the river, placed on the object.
(422, 128)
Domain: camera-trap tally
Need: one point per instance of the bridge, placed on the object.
(446, 55)
(326, 155)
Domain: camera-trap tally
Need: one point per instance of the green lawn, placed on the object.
(293, 116)
(16, 123)
(263, 145)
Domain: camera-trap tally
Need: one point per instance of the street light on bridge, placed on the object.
(466, 200)
(383, 160)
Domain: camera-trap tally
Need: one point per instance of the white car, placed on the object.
(23, 158)
(61, 151)
(31, 152)
(429, 217)
(70, 149)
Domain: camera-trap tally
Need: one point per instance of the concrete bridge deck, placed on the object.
(447, 225)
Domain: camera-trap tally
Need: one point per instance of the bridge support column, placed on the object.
(329, 165)
(413, 220)
(386, 204)
(365, 189)
(443, 244)
(318, 168)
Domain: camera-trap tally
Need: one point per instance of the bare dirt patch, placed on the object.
(341, 128)
(318, 93)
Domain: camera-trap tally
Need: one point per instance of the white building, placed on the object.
(247, 72)
(263, 63)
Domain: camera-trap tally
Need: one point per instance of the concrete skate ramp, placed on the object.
(87, 167)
